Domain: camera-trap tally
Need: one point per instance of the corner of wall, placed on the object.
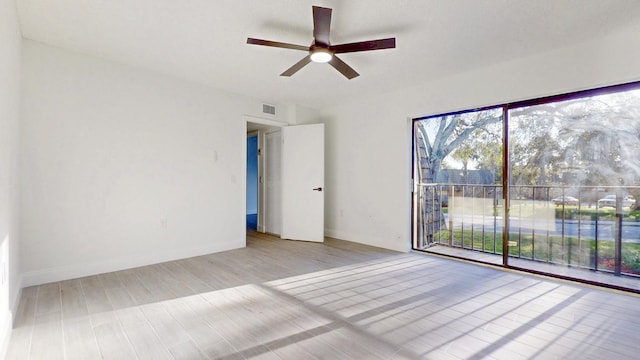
(400, 245)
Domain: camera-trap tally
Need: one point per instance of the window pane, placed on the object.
(574, 178)
(573, 185)
(458, 171)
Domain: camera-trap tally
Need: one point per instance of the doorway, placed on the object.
(263, 154)
(253, 179)
(265, 160)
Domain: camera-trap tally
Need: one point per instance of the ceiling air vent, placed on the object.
(268, 109)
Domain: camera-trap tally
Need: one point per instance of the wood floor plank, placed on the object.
(47, 338)
(290, 350)
(97, 300)
(191, 313)
(79, 339)
(336, 300)
(119, 297)
(177, 270)
(136, 289)
(113, 342)
(90, 282)
(169, 331)
(26, 311)
(131, 316)
(20, 345)
(49, 300)
(161, 282)
(110, 280)
(145, 342)
(219, 348)
(71, 284)
(186, 351)
(73, 301)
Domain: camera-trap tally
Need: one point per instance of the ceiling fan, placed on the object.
(321, 50)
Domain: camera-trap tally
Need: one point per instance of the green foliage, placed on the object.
(631, 259)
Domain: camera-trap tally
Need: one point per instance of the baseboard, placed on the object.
(371, 241)
(75, 271)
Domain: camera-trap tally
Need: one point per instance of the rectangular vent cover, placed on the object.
(268, 109)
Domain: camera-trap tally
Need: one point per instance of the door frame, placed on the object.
(262, 125)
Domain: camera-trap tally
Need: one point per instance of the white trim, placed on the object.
(410, 205)
(263, 121)
(87, 269)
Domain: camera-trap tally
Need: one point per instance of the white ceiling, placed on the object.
(205, 40)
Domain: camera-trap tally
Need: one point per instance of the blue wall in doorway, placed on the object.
(252, 175)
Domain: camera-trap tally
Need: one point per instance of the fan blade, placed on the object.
(297, 66)
(253, 41)
(344, 69)
(321, 25)
(364, 46)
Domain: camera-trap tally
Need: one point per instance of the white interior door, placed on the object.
(303, 182)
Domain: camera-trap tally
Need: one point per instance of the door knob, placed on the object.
(318, 189)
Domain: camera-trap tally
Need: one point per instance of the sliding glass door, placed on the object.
(547, 185)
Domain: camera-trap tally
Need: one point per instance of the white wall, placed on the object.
(368, 141)
(301, 115)
(9, 114)
(122, 167)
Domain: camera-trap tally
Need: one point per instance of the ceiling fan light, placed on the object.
(321, 55)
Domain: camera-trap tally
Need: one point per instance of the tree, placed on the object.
(437, 138)
(490, 153)
(606, 143)
(591, 141)
(534, 145)
(464, 153)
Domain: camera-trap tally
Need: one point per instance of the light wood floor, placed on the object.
(629, 282)
(279, 299)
